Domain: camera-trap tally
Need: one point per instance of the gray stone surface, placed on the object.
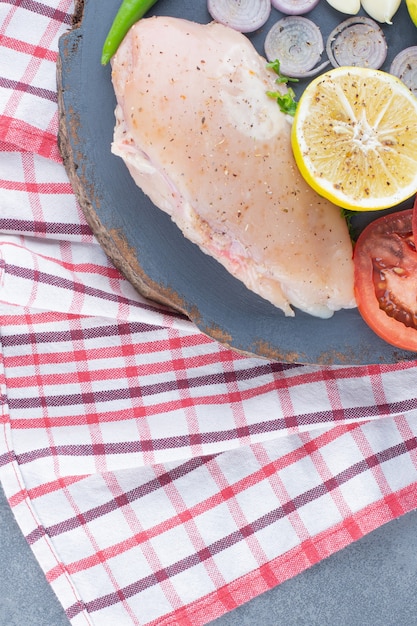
(372, 582)
(25, 597)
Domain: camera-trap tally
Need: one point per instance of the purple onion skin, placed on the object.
(218, 10)
(280, 43)
(404, 66)
(294, 7)
(347, 51)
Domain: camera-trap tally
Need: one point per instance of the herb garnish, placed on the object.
(286, 101)
(347, 215)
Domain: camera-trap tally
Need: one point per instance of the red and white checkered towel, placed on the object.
(158, 477)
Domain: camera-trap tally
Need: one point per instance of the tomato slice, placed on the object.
(385, 260)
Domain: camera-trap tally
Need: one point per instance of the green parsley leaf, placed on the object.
(276, 67)
(347, 215)
(286, 101)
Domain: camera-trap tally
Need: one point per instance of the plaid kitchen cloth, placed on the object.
(159, 477)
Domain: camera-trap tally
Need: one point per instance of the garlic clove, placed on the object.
(351, 7)
(381, 10)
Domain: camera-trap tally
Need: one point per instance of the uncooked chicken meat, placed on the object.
(205, 142)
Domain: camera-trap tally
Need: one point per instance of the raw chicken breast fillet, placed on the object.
(202, 139)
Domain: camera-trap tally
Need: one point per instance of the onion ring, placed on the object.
(404, 66)
(294, 7)
(245, 16)
(357, 41)
(298, 44)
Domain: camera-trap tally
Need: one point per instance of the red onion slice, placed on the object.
(404, 66)
(294, 7)
(297, 43)
(357, 41)
(245, 16)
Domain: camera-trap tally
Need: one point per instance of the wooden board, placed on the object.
(146, 245)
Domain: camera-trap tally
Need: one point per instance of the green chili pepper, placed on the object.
(130, 11)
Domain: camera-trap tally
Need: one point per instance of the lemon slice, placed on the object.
(354, 138)
(412, 9)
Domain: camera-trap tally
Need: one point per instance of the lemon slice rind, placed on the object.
(354, 138)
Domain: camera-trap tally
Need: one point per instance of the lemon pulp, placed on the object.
(354, 138)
